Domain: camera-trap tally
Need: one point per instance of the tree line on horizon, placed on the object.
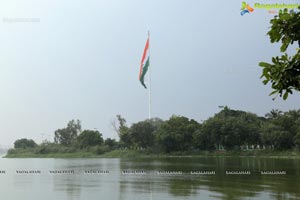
(227, 130)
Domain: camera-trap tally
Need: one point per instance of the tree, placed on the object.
(156, 122)
(281, 131)
(118, 127)
(176, 134)
(267, 134)
(284, 72)
(67, 136)
(203, 141)
(229, 129)
(89, 138)
(123, 131)
(297, 140)
(276, 137)
(211, 131)
(111, 143)
(24, 143)
(273, 114)
(294, 115)
(142, 134)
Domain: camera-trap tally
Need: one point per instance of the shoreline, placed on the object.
(142, 154)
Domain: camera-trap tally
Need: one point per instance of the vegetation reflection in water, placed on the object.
(221, 185)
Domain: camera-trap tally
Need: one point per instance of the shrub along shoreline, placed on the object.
(118, 153)
(229, 132)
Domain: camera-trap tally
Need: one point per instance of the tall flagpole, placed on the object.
(149, 78)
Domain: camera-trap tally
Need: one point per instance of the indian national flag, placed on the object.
(145, 62)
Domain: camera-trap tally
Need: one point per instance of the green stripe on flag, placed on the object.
(145, 69)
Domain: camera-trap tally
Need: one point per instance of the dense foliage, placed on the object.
(284, 72)
(176, 134)
(231, 129)
(68, 135)
(24, 143)
(89, 138)
(227, 130)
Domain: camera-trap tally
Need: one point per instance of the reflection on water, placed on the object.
(220, 185)
(134, 185)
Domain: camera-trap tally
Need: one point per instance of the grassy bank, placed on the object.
(51, 155)
(140, 154)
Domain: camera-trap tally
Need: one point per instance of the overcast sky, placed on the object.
(76, 59)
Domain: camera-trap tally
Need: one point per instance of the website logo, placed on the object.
(246, 8)
(272, 8)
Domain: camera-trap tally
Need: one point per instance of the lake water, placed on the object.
(165, 178)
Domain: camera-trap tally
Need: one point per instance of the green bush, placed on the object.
(24, 143)
(12, 151)
(99, 149)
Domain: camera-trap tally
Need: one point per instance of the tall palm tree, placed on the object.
(273, 114)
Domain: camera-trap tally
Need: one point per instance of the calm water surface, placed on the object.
(125, 179)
